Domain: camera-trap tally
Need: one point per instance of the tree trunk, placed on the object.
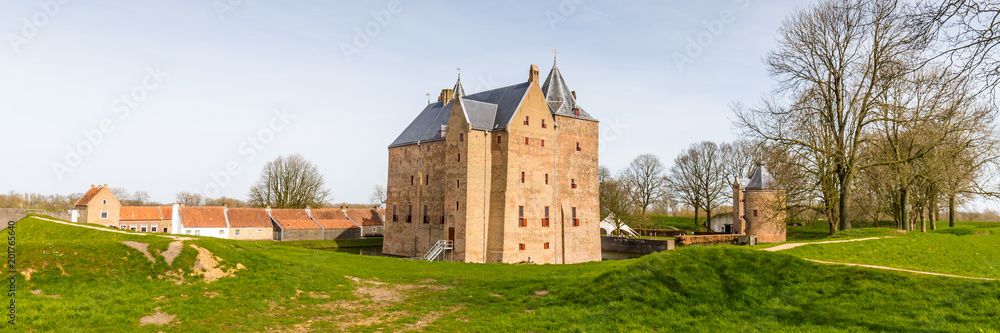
(931, 214)
(904, 210)
(923, 223)
(708, 219)
(845, 200)
(696, 216)
(951, 211)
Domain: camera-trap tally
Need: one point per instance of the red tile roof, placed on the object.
(332, 218)
(167, 212)
(140, 213)
(203, 217)
(248, 218)
(293, 219)
(365, 217)
(85, 199)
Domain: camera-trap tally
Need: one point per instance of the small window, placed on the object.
(572, 183)
(459, 157)
(576, 112)
(499, 138)
(197, 232)
(754, 213)
(525, 120)
(221, 232)
(260, 230)
(442, 219)
(427, 179)
(237, 232)
(104, 215)
(520, 246)
(545, 220)
(105, 202)
(526, 140)
(143, 228)
(188, 232)
(458, 183)
(578, 146)
(411, 179)
(461, 136)
(132, 227)
(522, 177)
(543, 142)
(576, 221)
(409, 215)
(428, 148)
(543, 124)
(164, 230)
(521, 222)
(427, 219)
(456, 205)
(546, 245)
(546, 179)
(374, 229)
(153, 228)
(123, 226)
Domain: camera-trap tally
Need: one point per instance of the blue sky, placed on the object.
(197, 95)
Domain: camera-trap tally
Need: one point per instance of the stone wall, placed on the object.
(704, 240)
(11, 214)
(635, 245)
(661, 232)
(351, 233)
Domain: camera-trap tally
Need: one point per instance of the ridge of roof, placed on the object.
(560, 98)
(91, 193)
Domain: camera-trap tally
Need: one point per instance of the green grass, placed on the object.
(108, 287)
(969, 249)
(333, 243)
(679, 222)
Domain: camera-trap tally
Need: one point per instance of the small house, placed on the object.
(335, 224)
(145, 218)
(204, 221)
(98, 206)
(250, 224)
(370, 221)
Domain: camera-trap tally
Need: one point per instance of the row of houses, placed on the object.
(99, 206)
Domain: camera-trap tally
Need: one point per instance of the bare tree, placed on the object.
(226, 201)
(739, 158)
(969, 32)
(698, 177)
(289, 182)
(618, 204)
(190, 199)
(378, 195)
(645, 181)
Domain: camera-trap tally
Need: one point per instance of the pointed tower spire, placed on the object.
(561, 100)
(459, 91)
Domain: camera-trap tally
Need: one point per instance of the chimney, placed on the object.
(105, 185)
(91, 185)
(574, 93)
(533, 74)
(446, 95)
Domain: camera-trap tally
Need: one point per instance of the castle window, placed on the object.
(456, 205)
(545, 221)
(459, 157)
(499, 138)
(461, 136)
(543, 142)
(576, 221)
(754, 213)
(546, 245)
(546, 179)
(525, 120)
(521, 222)
(578, 146)
(525, 140)
(411, 179)
(520, 246)
(442, 219)
(395, 218)
(427, 219)
(543, 124)
(576, 112)
(522, 177)
(409, 215)
(458, 183)
(427, 179)
(572, 183)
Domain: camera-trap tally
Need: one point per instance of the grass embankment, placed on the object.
(969, 249)
(333, 243)
(102, 285)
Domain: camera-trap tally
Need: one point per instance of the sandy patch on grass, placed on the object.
(173, 250)
(62, 270)
(158, 318)
(142, 247)
(39, 292)
(208, 265)
(27, 273)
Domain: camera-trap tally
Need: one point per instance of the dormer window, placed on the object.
(576, 112)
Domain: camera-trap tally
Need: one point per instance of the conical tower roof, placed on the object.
(459, 91)
(761, 179)
(560, 98)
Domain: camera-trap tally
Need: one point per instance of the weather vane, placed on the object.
(554, 55)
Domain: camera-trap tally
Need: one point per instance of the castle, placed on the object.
(759, 207)
(506, 175)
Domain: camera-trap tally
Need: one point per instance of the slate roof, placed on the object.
(248, 218)
(332, 218)
(203, 217)
(85, 199)
(489, 110)
(761, 179)
(365, 217)
(293, 219)
(141, 213)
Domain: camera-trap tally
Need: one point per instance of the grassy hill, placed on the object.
(84, 280)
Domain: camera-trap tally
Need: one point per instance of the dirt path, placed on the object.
(794, 245)
(110, 230)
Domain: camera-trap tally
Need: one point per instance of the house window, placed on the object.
(197, 232)
(545, 221)
(546, 179)
(105, 202)
(546, 245)
(132, 227)
(153, 228)
(525, 140)
(461, 136)
(427, 219)
(395, 218)
(164, 230)
(374, 229)
(525, 120)
(428, 148)
(409, 215)
(104, 215)
(543, 142)
(222, 232)
(576, 221)
(259, 230)
(123, 227)
(572, 183)
(522, 177)
(520, 246)
(578, 146)
(754, 213)
(187, 232)
(143, 228)
(237, 232)
(543, 124)
(521, 222)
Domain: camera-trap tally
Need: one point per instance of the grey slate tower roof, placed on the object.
(761, 179)
(559, 97)
(459, 91)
